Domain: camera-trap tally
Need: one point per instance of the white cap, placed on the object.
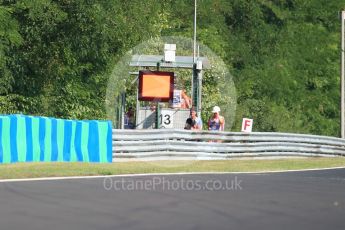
(216, 109)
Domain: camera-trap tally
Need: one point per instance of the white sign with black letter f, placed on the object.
(247, 125)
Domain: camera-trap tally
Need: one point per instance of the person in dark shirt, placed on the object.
(193, 122)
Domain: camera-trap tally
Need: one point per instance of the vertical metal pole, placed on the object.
(116, 120)
(195, 87)
(199, 87)
(194, 40)
(342, 74)
(137, 112)
(194, 77)
(199, 92)
(123, 102)
(117, 116)
(157, 126)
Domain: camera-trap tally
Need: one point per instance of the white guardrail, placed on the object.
(177, 143)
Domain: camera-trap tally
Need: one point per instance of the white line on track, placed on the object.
(160, 174)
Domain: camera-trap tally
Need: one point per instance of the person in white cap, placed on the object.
(216, 122)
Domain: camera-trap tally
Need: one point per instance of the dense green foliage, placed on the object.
(56, 55)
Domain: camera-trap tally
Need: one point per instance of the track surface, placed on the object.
(291, 200)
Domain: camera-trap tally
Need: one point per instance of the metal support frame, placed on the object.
(196, 82)
(158, 111)
(199, 92)
(342, 77)
(195, 87)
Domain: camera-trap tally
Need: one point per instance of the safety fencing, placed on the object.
(43, 139)
(177, 143)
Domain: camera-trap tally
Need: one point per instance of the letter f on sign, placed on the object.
(247, 125)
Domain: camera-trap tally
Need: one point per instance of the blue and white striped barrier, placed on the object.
(43, 139)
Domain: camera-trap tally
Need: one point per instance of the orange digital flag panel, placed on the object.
(156, 86)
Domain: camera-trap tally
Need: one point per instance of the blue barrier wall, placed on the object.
(43, 139)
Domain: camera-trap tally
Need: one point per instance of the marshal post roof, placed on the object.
(180, 61)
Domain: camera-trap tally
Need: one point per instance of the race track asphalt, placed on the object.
(289, 200)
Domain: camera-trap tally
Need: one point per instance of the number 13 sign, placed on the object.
(166, 119)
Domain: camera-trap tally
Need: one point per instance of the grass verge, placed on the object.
(34, 170)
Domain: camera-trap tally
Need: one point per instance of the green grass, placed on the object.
(34, 170)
